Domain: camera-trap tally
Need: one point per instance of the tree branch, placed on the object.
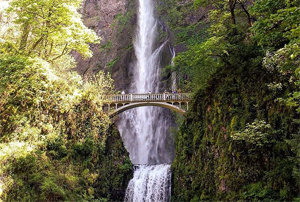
(36, 44)
(62, 53)
(247, 13)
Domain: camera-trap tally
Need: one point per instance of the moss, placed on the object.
(57, 146)
(112, 63)
(210, 165)
(91, 173)
(115, 169)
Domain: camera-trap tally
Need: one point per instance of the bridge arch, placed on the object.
(143, 104)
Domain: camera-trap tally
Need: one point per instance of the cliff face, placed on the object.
(185, 26)
(209, 163)
(115, 169)
(212, 165)
(114, 22)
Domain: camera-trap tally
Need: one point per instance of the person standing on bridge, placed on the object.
(166, 94)
(122, 95)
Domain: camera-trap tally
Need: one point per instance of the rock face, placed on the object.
(114, 22)
(210, 165)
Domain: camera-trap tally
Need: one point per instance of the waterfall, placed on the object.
(150, 183)
(173, 75)
(145, 130)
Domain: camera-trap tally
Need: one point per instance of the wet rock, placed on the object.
(114, 22)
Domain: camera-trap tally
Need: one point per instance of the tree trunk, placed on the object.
(24, 39)
(232, 4)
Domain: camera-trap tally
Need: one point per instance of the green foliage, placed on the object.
(268, 7)
(207, 158)
(54, 135)
(295, 145)
(256, 192)
(106, 46)
(223, 150)
(213, 44)
(278, 32)
(56, 123)
(171, 12)
(192, 35)
(277, 29)
(49, 29)
(122, 20)
(256, 133)
(112, 63)
(201, 61)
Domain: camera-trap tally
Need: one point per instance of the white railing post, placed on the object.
(149, 97)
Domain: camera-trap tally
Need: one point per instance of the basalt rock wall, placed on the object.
(115, 22)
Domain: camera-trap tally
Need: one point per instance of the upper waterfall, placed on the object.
(145, 131)
(143, 46)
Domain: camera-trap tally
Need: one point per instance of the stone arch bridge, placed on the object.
(116, 104)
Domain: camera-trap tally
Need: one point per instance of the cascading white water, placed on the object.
(173, 75)
(150, 183)
(145, 130)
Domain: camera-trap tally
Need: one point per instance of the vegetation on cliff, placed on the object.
(240, 140)
(56, 143)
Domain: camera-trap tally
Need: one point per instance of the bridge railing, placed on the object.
(156, 97)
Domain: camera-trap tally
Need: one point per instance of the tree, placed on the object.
(277, 30)
(230, 6)
(50, 120)
(49, 29)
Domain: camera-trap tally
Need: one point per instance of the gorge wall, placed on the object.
(209, 164)
(115, 21)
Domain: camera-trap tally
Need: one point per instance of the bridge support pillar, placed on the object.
(116, 105)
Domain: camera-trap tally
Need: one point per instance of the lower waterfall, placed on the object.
(150, 184)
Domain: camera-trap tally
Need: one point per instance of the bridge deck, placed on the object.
(155, 97)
